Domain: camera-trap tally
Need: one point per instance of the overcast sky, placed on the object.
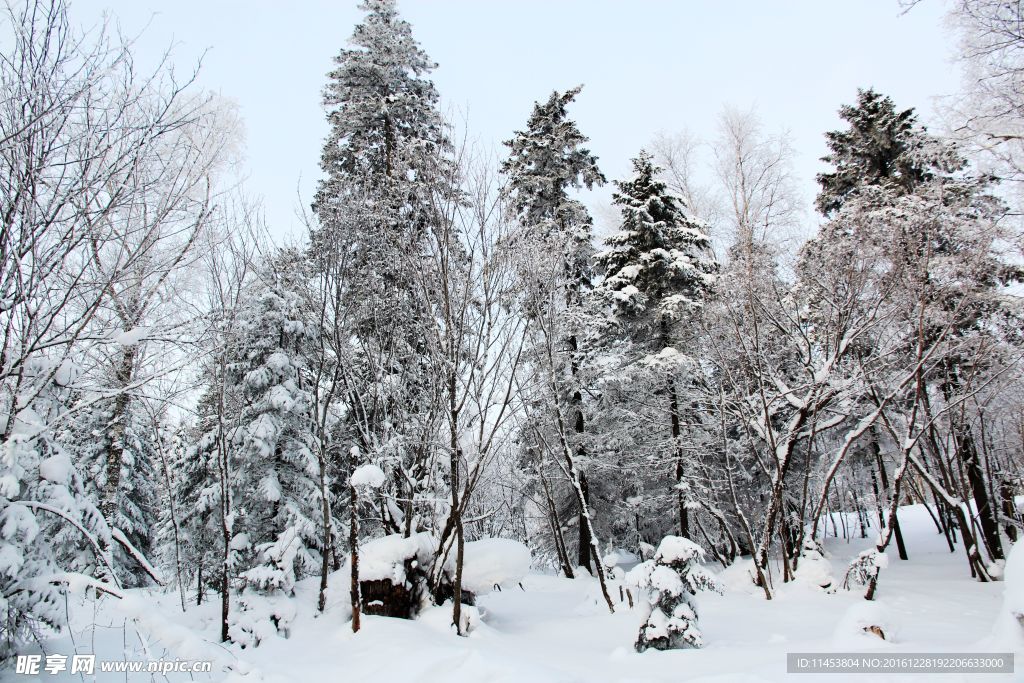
(646, 66)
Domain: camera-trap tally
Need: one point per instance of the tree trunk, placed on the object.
(677, 446)
(353, 542)
(583, 551)
(225, 565)
(225, 599)
(175, 527)
(901, 547)
(1009, 508)
(967, 451)
(115, 442)
(454, 457)
(579, 427)
(986, 512)
(684, 514)
(328, 533)
(225, 516)
(878, 497)
(556, 527)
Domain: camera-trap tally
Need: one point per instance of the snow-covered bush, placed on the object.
(865, 568)
(813, 569)
(260, 616)
(672, 579)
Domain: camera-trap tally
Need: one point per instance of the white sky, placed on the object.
(647, 66)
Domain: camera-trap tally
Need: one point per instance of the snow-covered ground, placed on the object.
(559, 630)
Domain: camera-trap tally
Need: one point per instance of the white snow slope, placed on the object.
(559, 630)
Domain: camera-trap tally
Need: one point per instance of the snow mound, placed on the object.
(814, 570)
(1009, 628)
(494, 561)
(439, 618)
(368, 475)
(739, 577)
(857, 627)
(384, 558)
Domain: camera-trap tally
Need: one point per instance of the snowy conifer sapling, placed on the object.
(672, 578)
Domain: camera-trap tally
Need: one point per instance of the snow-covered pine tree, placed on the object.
(386, 157)
(882, 147)
(383, 110)
(547, 161)
(386, 148)
(277, 480)
(672, 578)
(658, 270)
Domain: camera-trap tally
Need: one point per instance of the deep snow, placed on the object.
(559, 629)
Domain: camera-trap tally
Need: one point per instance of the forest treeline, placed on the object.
(183, 402)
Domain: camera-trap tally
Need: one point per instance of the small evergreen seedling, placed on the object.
(673, 578)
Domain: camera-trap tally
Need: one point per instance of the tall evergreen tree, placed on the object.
(881, 147)
(546, 162)
(386, 159)
(659, 268)
(382, 108)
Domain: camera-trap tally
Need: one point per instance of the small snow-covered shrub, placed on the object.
(265, 605)
(866, 567)
(813, 569)
(672, 579)
(259, 615)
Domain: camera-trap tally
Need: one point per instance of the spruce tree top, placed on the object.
(545, 161)
(660, 264)
(380, 103)
(882, 146)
